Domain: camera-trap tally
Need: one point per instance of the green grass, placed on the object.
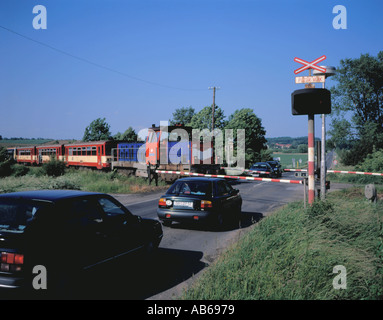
(87, 180)
(291, 254)
(286, 159)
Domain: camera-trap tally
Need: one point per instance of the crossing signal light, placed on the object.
(311, 101)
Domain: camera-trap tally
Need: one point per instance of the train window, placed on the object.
(94, 151)
(153, 136)
(71, 151)
(164, 135)
(83, 151)
(88, 152)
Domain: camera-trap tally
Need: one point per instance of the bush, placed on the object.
(5, 169)
(54, 168)
(19, 170)
(373, 162)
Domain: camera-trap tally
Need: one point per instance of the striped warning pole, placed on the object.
(194, 174)
(311, 172)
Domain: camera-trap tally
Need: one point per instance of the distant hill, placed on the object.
(293, 142)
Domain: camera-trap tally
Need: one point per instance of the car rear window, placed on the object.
(198, 188)
(15, 216)
(259, 166)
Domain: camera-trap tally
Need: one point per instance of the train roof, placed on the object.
(89, 143)
(49, 146)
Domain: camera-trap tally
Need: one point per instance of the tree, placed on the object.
(97, 130)
(342, 135)
(255, 140)
(5, 163)
(203, 119)
(129, 135)
(373, 162)
(370, 138)
(360, 92)
(182, 116)
(302, 148)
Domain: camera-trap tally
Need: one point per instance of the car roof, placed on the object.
(47, 195)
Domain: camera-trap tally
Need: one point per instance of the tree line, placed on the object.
(245, 118)
(356, 128)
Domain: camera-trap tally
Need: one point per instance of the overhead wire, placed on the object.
(97, 64)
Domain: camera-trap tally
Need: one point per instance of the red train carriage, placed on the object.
(93, 154)
(46, 152)
(25, 155)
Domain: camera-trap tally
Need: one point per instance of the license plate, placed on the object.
(255, 174)
(185, 204)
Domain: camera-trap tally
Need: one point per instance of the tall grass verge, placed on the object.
(87, 180)
(291, 254)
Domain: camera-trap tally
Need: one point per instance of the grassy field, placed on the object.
(87, 180)
(287, 159)
(292, 253)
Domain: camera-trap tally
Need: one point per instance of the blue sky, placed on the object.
(160, 55)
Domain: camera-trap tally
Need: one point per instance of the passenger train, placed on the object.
(162, 150)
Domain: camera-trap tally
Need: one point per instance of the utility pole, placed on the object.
(330, 71)
(213, 107)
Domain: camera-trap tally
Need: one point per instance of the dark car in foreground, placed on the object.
(64, 232)
(204, 200)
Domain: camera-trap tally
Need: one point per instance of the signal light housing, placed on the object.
(311, 101)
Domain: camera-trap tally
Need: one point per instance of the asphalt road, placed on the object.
(186, 250)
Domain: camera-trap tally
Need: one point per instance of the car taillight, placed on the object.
(206, 204)
(162, 202)
(11, 261)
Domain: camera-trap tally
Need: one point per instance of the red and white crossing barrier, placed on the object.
(356, 172)
(187, 173)
(340, 171)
